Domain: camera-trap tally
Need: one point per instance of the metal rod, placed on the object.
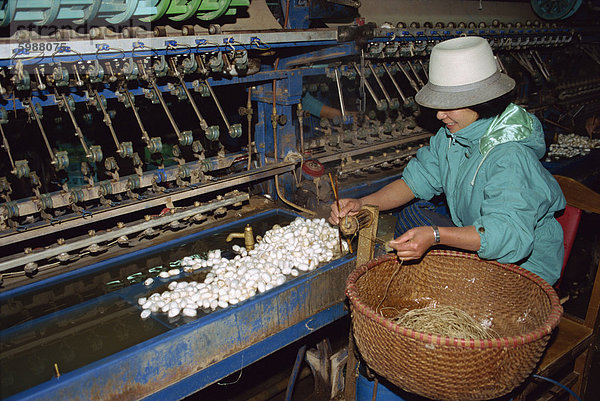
(203, 123)
(249, 117)
(339, 88)
(415, 72)
(404, 99)
(369, 89)
(6, 147)
(108, 121)
(166, 108)
(78, 132)
(387, 96)
(138, 118)
(39, 123)
(424, 69)
(408, 77)
(212, 94)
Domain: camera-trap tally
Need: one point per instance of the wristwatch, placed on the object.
(436, 234)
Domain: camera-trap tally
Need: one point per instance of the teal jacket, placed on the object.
(493, 180)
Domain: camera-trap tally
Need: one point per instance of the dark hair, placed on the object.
(493, 107)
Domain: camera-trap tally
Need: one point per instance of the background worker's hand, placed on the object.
(348, 206)
(414, 243)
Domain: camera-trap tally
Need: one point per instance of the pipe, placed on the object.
(249, 117)
(275, 152)
(300, 114)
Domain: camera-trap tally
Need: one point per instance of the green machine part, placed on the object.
(46, 12)
(205, 10)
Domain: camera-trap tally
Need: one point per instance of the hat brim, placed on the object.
(449, 98)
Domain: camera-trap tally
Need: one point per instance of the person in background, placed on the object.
(319, 109)
(485, 159)
(592, 125)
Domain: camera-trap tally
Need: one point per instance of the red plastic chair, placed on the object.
(569, 222)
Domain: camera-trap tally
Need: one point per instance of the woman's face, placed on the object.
(457, 119)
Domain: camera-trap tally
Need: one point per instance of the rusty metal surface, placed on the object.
(263, 324)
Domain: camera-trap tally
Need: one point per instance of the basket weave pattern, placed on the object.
(522, 308)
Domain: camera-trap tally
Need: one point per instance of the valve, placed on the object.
(160, 67)
(60, 76)
(21, 168)
(155, 145)
(236, 131)
(189, 65)
(186, 138)
(216, 63)
(61, 160)
(125, 149)
(130, 70)
(212, 133)
(95, 72)
(201, 88)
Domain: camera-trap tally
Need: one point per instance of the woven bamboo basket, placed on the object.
(521, 307)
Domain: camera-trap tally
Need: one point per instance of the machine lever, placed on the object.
(33, 111)
(78, 132)
(339, 88)
(203, 123)
(421, 83)
(393, 103)
(234, 130)
(183, 139)
(408, 77)
(380, 104)
(6, 147)
(121, 149)
(404, 99)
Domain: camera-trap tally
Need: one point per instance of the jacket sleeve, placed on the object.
(516, 196)
(312, 104)
(422, 173)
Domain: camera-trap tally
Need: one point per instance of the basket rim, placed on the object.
(512, 341)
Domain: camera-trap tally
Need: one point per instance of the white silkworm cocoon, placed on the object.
(154, 308)
(172, 285)
(261, 286)
(163, 275)
(165, 308)
(206, 304)
(189, 312)
(148, 281)
(147, 305)
(223, 304)
(174, 272)
(141, 301)
(294, 273)
(173, 312)
(145, 314)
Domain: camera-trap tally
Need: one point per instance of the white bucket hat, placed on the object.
(463, 72)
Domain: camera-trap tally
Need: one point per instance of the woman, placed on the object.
(485, 159)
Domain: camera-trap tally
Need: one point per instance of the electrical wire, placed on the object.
(559, 384)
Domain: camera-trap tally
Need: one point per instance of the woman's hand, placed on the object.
(413, 243)
(347, 207)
